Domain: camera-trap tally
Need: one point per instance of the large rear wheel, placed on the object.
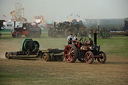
(70, 53)
(69, 31)
(18, 35)
(13, 35)
(89, 57)
(55, 34)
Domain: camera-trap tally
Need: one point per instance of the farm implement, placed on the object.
(30, 50)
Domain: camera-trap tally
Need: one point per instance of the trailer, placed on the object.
(30, 50)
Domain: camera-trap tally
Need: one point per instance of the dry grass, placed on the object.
(37, 72)
(21, 72)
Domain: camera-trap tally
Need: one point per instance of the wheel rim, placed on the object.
(69, 31)
(102, 57)
(6, 55)
(45, 57)
(55, 34)
(18, 35)
(89, 57)
(69, 53)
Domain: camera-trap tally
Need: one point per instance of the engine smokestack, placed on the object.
(95, 38)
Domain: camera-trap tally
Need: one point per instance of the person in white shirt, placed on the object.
(70, 38)
(75, 38)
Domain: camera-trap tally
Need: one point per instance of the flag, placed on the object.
(78, 15)
(71, 14)
(4, 15)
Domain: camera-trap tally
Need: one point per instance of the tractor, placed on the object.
(85, 51)
(28, 30)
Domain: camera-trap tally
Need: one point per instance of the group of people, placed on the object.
(70, 38)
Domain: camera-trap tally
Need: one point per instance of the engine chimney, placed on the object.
(95, 38)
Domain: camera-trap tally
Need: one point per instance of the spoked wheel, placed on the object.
(69, 31)
(18, 35)
(102, 57)
(70, 53)
(37, 34)
(55, 34)
(46, 57)
(31, 34)
(89, 57)
(50, 32)
(7, 55)
(26, 35)
(13, 35)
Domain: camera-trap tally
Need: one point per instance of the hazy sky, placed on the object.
(59, 9)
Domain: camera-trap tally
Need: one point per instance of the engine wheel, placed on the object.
(70, 53)
(51, 34)
(69, 31)
(37, 34)
(102, 57)
(26, 35)
(46, 57)
(89, 57)
(55, 34)
(18, 35)
(13, 35)
(32, 34)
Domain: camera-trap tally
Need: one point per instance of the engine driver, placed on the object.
(75, 38)
(70, 38)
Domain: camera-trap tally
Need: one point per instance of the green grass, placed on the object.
(117, 45)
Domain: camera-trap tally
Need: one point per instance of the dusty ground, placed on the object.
(21, 72)
(38, 72)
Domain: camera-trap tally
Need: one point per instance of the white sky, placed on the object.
(59, 9)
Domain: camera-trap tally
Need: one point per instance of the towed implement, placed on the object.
(30, 50)
(85, 51)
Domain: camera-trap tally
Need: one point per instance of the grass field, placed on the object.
(38, 72)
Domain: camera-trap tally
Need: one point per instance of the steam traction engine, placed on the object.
(28, 30)
(85, 51)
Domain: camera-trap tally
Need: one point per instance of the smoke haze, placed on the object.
(59, 10)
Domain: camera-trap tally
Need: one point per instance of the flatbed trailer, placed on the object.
(30, 50)
(46, 55)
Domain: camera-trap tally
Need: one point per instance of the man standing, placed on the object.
(75, 38)
(70, 38)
